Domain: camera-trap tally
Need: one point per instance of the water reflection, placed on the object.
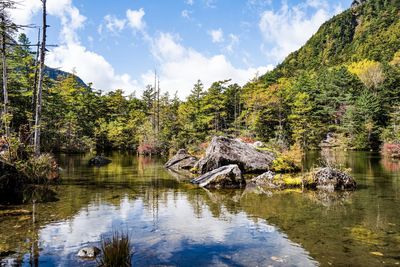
(177, 234)
(174, 223)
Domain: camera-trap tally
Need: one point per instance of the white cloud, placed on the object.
(113, 24)
(234, 40)
(25, 11)
(71, 54)
(91, 67)
(217, 36)
(135, 19)
(258, 5)
(186, 14)
(287, 29)
(189, 2)
(180, 67)
(210, 3)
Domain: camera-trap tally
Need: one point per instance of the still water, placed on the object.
(173, 223)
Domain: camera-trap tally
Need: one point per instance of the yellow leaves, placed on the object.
(396, 59)
(369, 72)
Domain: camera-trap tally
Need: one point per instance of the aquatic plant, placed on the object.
(116, 251)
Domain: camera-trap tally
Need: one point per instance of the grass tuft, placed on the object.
(116, 251)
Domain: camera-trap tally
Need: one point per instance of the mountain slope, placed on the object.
(55, 74)
(366, 31)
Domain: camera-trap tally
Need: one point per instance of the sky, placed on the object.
(119, 44)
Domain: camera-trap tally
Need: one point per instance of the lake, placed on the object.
(173, 223)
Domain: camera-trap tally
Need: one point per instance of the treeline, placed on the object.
(357, 104)
(341, 89)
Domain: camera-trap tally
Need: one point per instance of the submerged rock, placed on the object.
(99, 161)
(332, 179)
(224, 177)
(224, 151)
(89, 252)
(181, 161)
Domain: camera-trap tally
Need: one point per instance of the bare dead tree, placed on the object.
(38, 111)
(35, 81)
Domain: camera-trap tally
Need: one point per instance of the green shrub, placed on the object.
(39, 169)
(289, 160)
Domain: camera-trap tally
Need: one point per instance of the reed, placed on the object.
(116, 251)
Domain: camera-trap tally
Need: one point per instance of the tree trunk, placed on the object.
(38, 111)
(35, 81)
(4, 62)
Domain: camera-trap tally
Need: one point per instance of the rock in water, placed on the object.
(332, 179)
(99, 161)
(181, 161)
(89, 252)
(224, 151)
(224, 177)
(266, 179)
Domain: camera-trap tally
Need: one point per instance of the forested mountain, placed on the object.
(369, 30)
(344, 81)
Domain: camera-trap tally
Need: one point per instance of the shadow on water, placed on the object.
(175, 223)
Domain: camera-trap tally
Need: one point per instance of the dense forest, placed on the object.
(344, 84)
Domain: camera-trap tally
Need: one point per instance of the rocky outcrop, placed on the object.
(224, 151)
(229, 176)
(331, 179)
(99, 161)
(181, 161)
(89, 252)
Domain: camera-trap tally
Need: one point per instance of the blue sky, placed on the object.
(118, 44)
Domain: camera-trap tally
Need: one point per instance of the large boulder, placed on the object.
(331, 179)
(181, 161)
(99, 161)
(224, 151)
(229, 176)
